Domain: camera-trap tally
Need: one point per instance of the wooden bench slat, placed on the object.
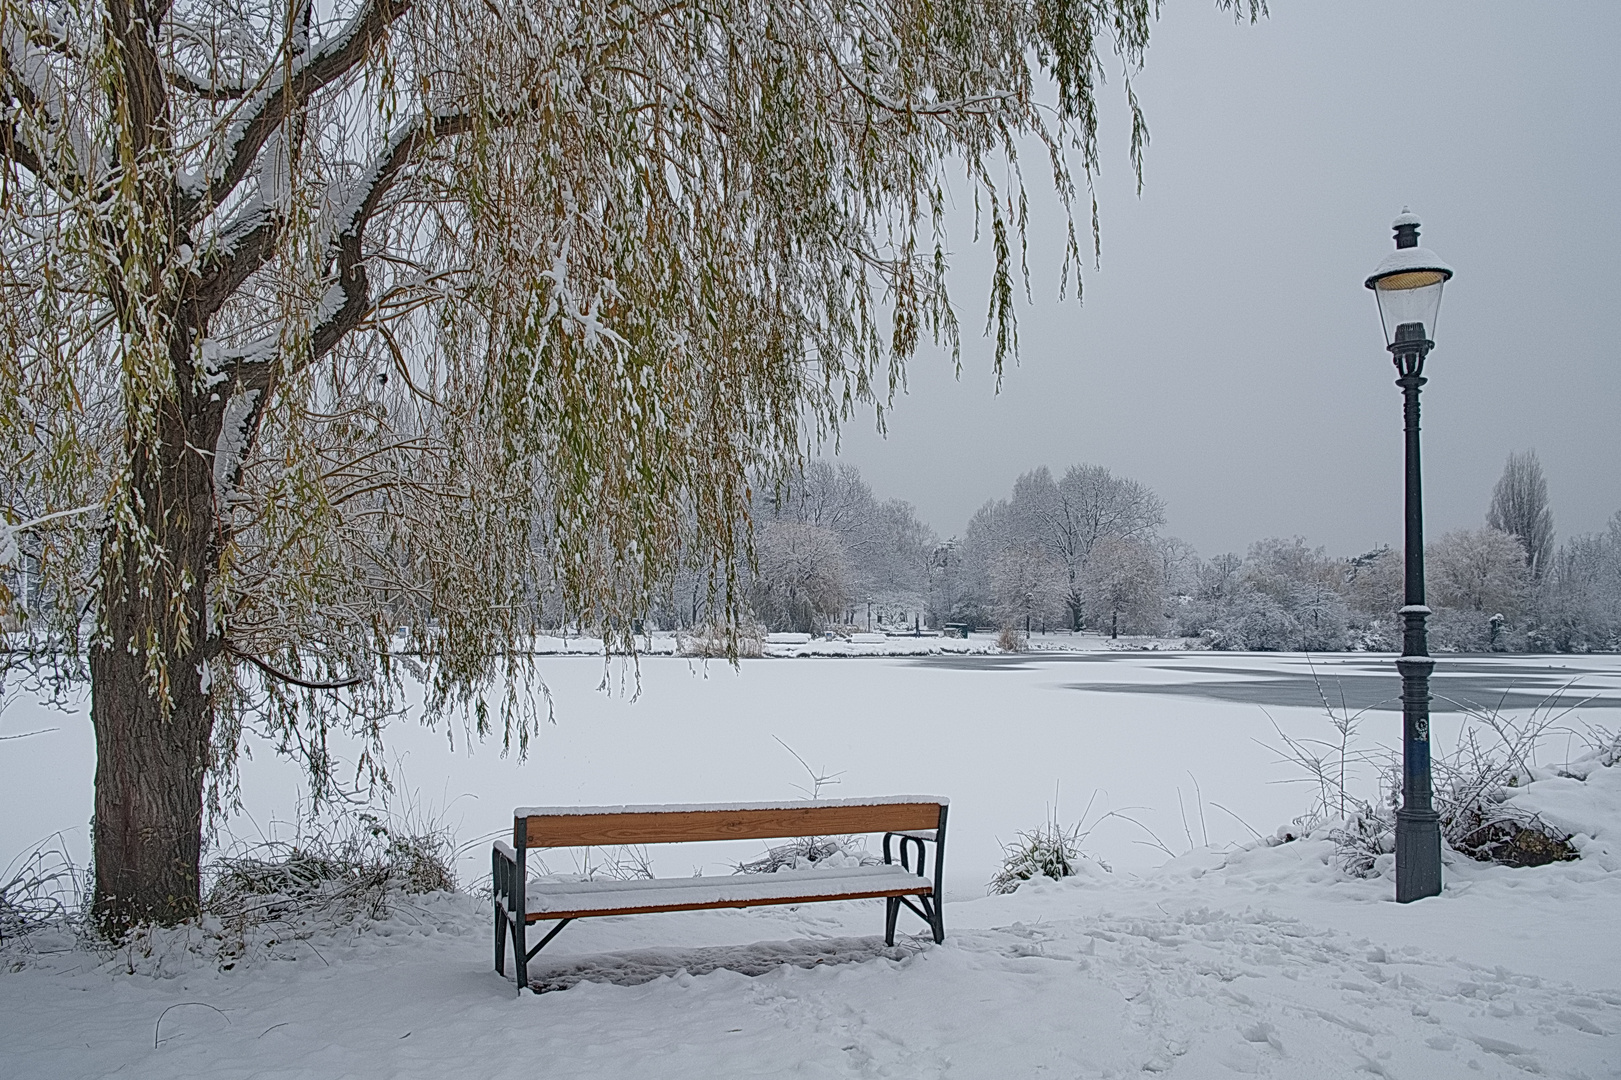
(683, 808)
(670, 827)
(763, 901)
(576, 899)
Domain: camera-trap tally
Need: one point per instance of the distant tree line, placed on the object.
(1085, 551)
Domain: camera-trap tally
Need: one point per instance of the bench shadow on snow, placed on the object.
(637, 966)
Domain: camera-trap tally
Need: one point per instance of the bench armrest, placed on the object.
(507, 878)
(915, 839)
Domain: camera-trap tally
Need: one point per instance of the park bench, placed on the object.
(907, 822)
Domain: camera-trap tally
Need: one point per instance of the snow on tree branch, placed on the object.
(9, 550)
(270, 107)
(53, 146)
(210, 88)
(350, 226)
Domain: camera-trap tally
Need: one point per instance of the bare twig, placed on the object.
(176, 1005)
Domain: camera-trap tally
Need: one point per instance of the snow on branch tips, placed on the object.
(562, 300)
(11, 551)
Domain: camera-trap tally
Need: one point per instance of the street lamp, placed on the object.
(1408, 286)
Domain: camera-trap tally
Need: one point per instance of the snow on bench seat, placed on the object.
(572, 899)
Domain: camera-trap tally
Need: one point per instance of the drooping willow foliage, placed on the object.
(402, 313)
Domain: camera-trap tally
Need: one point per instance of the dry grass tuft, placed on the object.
(344, 870)
(42, 888)
(1050, 851)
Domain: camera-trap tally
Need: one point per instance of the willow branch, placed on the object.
(277, 673)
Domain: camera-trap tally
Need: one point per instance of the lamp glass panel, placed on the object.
(1412, 296)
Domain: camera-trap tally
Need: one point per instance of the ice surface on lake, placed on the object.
(1009, 740)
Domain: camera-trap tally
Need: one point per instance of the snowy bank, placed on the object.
(1232, 957)
(1265, 961)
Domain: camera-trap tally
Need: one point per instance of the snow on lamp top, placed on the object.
(1407, 283)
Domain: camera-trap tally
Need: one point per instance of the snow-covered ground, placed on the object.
(1232, 957)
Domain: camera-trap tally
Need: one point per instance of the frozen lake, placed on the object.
(1171, 750)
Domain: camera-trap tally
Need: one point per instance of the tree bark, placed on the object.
(150, 767)
(152, 745)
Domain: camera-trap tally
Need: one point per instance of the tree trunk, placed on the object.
(150, 767)
(152, 747)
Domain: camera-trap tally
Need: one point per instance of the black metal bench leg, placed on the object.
(520, 958)
(892, 908)
(558, 929)
(937, 922)
(500, 940)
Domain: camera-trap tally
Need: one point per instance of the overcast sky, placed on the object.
(1226, 352)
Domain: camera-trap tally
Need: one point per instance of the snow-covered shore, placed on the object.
(1234, 956)
(1265, 961)
(897, 644)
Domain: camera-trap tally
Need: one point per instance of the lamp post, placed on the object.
(1408, 286)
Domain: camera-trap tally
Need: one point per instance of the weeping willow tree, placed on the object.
(325, 320)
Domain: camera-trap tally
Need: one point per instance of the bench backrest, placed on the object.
(596, 826)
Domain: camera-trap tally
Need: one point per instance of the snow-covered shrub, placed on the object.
(1463, 630)
(1605, 746)
(342, 873)
(806, 852)
(1249, 621)
(1009, 639)
(1576, 627)
(1050, 851)
(1336, 766)
(1489, 830)
(710, 642)
(1360, 841)
(1473, 785)
(1512, 841)
(339, 873)
(1472, 788)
